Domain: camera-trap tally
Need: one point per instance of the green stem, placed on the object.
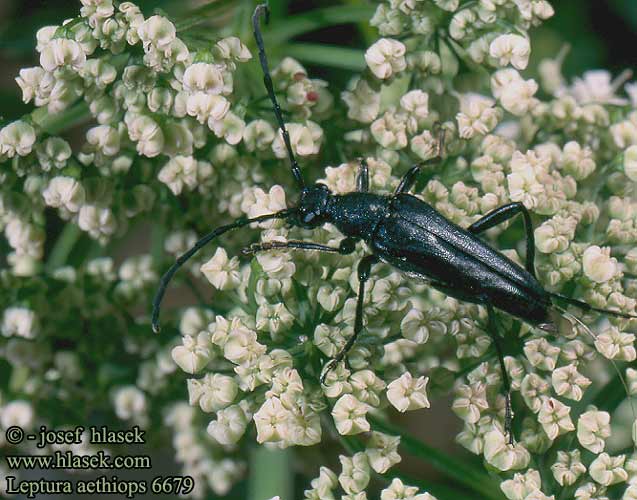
(270, 474)
(63, 246)
(454, 469)
(56, 123)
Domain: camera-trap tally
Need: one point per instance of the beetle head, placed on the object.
(312, 210)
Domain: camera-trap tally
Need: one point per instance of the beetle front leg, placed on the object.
(508, 409)
(502, 214)
(362, 178)
(409, 178)
(364, 270)
(345, 247)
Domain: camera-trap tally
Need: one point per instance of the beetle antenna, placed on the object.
(574, 319)
(181, 260)
(587, 307)
(267, 80)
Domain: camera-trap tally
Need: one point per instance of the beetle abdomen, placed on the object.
(416, 239)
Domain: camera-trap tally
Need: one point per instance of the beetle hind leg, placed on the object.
(508, 409)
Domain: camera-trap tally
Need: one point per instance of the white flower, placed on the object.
(598, 265)
(593, 427)
(630, 163)
(16, 413)
(241, 345)
(502, 455)
(257, 202)
(105, 139)
(97, 221)
(53, 152)
(96, 10)
(19, 322)
(157, 32)
(180, 172)
(194, 353)
(470, 402)
(382, 451)
(350, 415)
(213, 392)
(407, 393)
(62, 52)
(25, 239)
(614, 344)
(232, 48)
(258, 135)
(568, 467)
(390, 130)
(577, 161)
(17, 138)
(477, 115)
(305, 139)
(230, 425)
(516, 95)
(386, 57)
(397, 490)
(129, 403)
(511, 49)
(541, 354)
(607, 470)
(569, 383)
(221, 272)
(522, 485)
(363, 103)
(147, 134)
(424, 145)
(204, 77)
(555, 418)
(271, 421)
(230, 127)
(64, 192)
(356, 474)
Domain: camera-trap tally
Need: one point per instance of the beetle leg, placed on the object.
(508, 410)
(364, 269)
(502, 214)
(362, 178)
(346, 246)
(409, 178)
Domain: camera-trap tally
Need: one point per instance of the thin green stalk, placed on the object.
(63, 246)
(452, 468)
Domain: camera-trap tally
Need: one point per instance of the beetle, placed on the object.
(410, 235)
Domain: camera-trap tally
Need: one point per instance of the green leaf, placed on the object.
(316, 19)
(326, 55)
(454, 469)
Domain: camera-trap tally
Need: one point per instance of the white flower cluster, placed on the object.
(181, 134)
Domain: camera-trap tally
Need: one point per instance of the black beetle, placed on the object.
(409, 234)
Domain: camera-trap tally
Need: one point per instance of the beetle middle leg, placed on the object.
(364, 270)
(508, 410)
(502, 214)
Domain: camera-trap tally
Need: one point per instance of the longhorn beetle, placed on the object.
(407, 233)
